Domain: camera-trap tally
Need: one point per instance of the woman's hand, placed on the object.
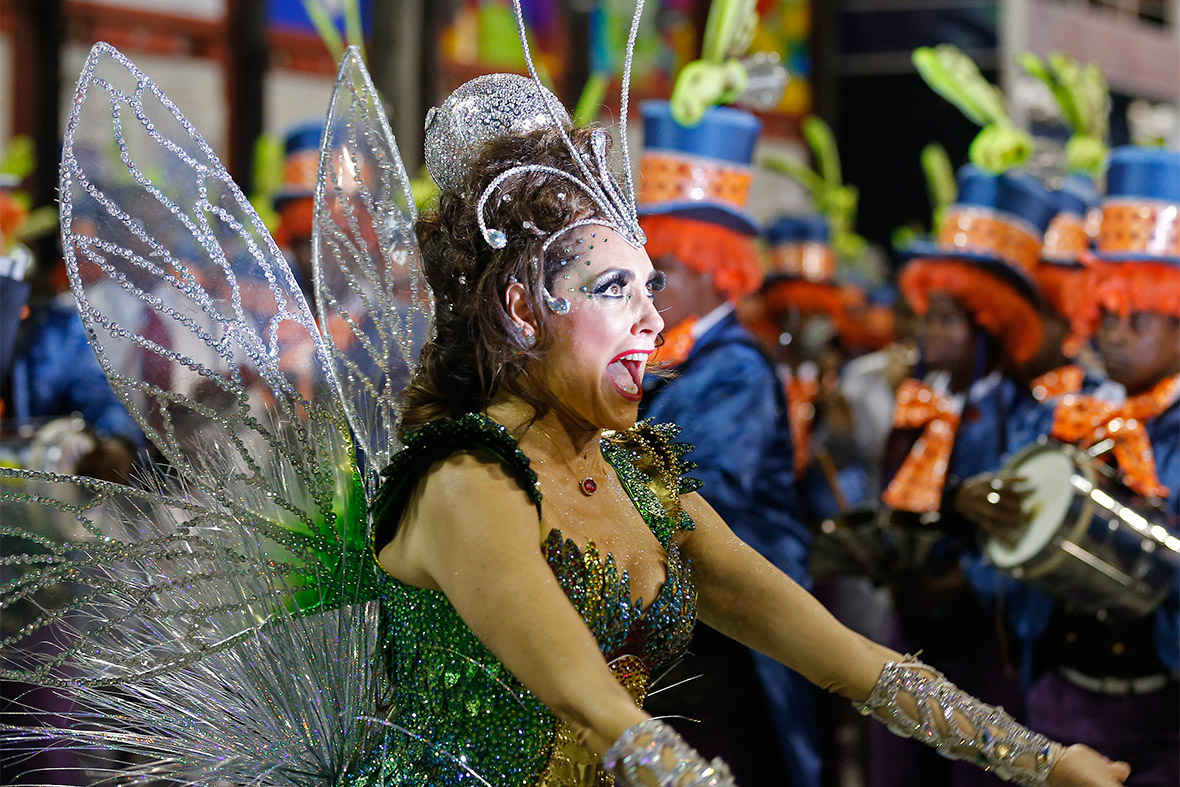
(1081, 766)
(994, 502)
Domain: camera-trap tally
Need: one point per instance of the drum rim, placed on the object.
(1049, 557)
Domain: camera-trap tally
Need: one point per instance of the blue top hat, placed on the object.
(799, 250)
(1141, 208)
(1066, 239)
(811, 228)
(703, 172)
(998, 222)
(301, 162)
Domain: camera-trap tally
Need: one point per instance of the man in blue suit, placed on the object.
(754, 712)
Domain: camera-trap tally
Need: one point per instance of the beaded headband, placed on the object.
(491, 107)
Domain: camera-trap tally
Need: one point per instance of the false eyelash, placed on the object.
(615, 277)
(657, 282)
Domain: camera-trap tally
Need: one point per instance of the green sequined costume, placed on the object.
(458, 716)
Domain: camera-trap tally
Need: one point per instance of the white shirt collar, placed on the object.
(706, 323)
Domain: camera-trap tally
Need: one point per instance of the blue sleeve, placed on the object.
(1165, 442)
(65, 377)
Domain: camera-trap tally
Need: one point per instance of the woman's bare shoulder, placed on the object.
(466, 496)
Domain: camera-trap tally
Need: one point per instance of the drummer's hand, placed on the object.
(1081, 766)
(994, 502)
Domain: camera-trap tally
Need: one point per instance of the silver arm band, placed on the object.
(651, 752)
(990, 737)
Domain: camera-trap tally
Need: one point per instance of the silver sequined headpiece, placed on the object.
(494, 106)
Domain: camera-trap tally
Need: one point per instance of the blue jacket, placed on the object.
(728, 400)
(56, 373)
(980, 442)
(731, 406)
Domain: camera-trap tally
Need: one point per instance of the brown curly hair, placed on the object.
(477, 351)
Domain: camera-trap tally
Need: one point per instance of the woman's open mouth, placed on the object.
(625, 372)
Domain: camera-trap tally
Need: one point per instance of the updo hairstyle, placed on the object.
(477, 350)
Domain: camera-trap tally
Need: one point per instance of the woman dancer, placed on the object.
(517, 526)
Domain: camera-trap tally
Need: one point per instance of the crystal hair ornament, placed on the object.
(957, 725)
(494, 106)
(651, 752)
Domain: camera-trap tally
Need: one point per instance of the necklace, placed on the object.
(588, 485)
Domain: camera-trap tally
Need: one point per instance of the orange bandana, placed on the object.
(678, 343)
(1057, 383)
(918, 484)
(801, 395)
(1086, 420)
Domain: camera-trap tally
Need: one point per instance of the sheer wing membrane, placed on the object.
(374, 303)
(201, 326)
(177, 614)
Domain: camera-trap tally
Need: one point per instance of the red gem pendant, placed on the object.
(589, 486)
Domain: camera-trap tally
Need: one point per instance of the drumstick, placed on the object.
(832, 476)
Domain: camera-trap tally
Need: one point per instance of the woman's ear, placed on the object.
(520, 311)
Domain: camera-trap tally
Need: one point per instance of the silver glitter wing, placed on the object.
(374, 304)
(178, 640)
(195, 316)
(178, 614)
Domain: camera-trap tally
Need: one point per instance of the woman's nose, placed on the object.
(649, 318)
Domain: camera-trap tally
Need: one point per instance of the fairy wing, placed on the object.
(200, 325)
(374, 303)
(184, 604)
(175, 637)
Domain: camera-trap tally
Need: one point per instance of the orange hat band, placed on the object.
(668, 177)
(300, 170)
(810, 260)
(969, 228)
(1066, 238)
(1135, 226)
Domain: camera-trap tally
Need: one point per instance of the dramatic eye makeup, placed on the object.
(612, 284)
(656, 282)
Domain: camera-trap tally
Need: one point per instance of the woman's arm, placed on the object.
(471, 533)
(745, 597)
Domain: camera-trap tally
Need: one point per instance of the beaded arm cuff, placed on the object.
(957, 725)
(651, 752)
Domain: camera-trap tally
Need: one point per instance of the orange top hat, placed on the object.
(998, 223)
(1141, 209)
(693, 186)
(799, 250)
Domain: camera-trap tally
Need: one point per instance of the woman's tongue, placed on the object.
(621, 376)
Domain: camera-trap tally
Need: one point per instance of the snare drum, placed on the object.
(1090, 541)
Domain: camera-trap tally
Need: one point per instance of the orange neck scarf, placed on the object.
(801, 396)
(918, 484)
(1087, 420)
(678, 343)
(1057, 383)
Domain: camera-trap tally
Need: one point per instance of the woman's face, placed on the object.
(948, 335)
(1139, 349)
(593, 369)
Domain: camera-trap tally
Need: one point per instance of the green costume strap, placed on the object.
(437, 441)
